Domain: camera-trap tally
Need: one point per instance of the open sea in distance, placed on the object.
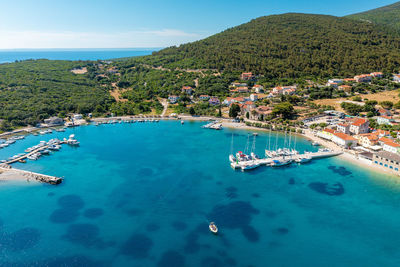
(143, 194)
(11, 55)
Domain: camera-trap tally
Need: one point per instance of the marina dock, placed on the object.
(254, 163)
(23, 157)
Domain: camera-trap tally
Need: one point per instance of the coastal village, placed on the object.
(376, 144)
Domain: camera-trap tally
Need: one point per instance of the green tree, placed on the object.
(284, 110)
(234, 110)
(386, 104)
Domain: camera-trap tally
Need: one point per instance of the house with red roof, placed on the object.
(377, 74)
(359, 126)
(247, 76)
(344, 140)
(187, 90)
(363, 78)
(391, 146)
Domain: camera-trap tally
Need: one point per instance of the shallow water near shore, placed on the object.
(143, 194)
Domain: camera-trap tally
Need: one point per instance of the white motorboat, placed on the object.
(279, 163)
(303, 159)
(249, 166)
(213, 228)
(232, 158)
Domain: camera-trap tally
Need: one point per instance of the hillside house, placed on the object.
(363, 78)
(359, 126)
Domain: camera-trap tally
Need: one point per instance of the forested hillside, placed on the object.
(291, 45)
(33, 90)
(386, 16)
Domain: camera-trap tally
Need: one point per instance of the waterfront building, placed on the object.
(388, 160)
(367, 140)
(396, 78)
(344, 140)
(343, 128)
(359, 126)
(54, 121)
(77, 117)
(327, 134)
(391, 146)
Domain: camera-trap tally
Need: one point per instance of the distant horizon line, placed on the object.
(89, 49)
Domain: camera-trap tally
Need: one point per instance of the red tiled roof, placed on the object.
(329, 130)
(359, 122)
(344, 136)
(392, 144)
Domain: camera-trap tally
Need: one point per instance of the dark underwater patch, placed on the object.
(51, 194)
(340, 170)
(171, 258)
(137, 246)
(237, 214)
(152, 227)
(219, 183)
(255, 195)
(145, 172)
(22, 239)
(230, 262)
(191, 245)
(179, 226)
(84, 234)
(93, 213)
(71, 202)
(71, 261)
(324, 188)
(231, 189)
(211, 262)
(64, 216)
(292, 181)
(134, 212)
(251, 234)
(281, 231)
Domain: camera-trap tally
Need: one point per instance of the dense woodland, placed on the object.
(31, 91)
(291, 45)
(387, 16)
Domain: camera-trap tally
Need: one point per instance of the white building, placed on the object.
(360, 126)
(344, 140)
(391, 147)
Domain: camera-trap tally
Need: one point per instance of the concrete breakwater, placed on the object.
(10, 173)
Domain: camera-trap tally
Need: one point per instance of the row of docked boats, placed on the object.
(11, 140)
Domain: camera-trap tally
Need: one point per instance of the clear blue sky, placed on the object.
(148, 23)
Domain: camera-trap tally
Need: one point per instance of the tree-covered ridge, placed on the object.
(387, 16)
(36, 89)
(291, 46)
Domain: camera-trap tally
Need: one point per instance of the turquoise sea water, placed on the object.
(143, 195)
(11, 55)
